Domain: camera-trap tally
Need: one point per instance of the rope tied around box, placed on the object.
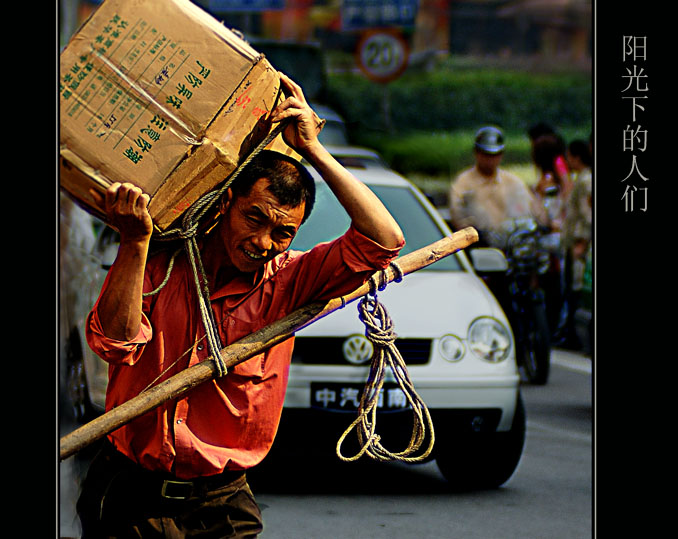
(379, 331)
(188, 232)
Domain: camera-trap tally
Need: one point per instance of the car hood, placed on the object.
(426, 304)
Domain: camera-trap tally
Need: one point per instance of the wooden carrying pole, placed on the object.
(248, 347)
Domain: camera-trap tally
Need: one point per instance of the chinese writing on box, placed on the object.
(72, 79)
(151, 133)
(635, 137)
(124, 67)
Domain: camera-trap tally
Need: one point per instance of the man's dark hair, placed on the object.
(290, 182)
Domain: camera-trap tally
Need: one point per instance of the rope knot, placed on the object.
(378, 324)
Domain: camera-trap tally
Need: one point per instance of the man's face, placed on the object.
(487, 163)
(256, 227)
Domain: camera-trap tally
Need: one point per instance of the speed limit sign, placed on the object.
(382, 55)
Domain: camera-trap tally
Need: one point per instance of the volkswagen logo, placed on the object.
(357, 349)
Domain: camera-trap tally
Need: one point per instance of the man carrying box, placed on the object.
(179, 470)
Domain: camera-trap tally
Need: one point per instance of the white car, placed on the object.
(452, 333)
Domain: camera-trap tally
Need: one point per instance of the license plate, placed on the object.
(345, 397)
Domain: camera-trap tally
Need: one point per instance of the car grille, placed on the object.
(328, 351)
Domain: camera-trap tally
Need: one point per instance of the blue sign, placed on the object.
(364, 14)
(244, 5)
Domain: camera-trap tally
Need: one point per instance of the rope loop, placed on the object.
(379, 331)
(398, 272)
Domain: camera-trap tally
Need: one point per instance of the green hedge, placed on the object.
(424, 122)
(449, 99)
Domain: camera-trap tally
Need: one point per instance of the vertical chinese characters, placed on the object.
(151, 133)
(75, 76)
(634, 136)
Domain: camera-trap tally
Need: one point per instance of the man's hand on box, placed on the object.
(305, 124)
(126, 207)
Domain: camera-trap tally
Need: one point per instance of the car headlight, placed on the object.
(451, 348)
(489, 340)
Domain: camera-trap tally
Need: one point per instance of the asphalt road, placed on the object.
(550, 495)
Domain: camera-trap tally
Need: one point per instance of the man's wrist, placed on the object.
(314, 152)
(136, 243)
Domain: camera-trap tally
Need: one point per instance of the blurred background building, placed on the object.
(544, 30)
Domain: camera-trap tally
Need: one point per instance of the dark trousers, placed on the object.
(120, 499)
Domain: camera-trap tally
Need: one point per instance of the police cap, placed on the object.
(489, 140)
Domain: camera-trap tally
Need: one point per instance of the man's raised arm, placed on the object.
(120, 304)
(368, 214)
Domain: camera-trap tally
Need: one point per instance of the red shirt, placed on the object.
(229, 422)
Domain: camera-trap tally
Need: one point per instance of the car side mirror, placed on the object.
(488, 259)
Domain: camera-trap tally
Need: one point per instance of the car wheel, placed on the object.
(482, 460)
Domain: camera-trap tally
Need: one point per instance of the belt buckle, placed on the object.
(173, 484)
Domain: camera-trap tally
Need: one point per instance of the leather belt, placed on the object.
(164, 484)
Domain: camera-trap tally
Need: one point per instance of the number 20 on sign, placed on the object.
(382, 55)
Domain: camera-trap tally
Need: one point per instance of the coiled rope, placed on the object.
(379, 331)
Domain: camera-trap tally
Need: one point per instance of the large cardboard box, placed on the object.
(160, 94)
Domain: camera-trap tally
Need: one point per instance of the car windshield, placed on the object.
(329, 220)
